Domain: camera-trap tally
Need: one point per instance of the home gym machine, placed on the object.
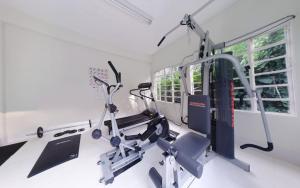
(129, 149)
(129, 122)
(211, 113)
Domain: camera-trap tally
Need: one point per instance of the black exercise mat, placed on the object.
(7, 151)
(55, 153)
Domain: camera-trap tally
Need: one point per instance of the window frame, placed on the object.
(160, 76)
(287, 70)
(192, 88)
(288, 57)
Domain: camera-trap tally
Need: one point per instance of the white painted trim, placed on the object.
(250, 48)
(273, 85)
(271, 59)
(275, 99)
(237, 78)
(192, 69)
(3, 74)
(290, 59)
(172, 90)
(237, 88)
(167, 102)
(269, 46)
(267, 113)
(245, 99)
(272, 72)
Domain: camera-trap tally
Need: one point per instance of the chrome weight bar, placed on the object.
(40, 130)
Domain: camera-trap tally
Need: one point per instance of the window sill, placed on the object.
(167, 102)
(293, 115)
(268, 113)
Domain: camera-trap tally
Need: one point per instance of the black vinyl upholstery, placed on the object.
(192, 144)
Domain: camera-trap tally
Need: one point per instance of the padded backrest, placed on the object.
(199, 114)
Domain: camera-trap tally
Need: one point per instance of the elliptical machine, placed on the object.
(129, 149)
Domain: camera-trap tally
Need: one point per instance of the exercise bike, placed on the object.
(129, 149)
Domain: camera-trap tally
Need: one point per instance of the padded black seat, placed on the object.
(188, 149)
(192, 145)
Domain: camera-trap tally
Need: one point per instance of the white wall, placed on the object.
(47, 81)
(16, 17)
(243, 17)
(2, 129)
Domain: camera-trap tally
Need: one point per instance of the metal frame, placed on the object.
(251, 93)
(113, 161)
(206, 58)
(128, 151)
(206, 49)
(119, 156)
(174, 175)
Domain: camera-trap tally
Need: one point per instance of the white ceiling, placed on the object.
(97, 19)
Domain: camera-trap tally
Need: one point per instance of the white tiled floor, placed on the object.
(83, 172)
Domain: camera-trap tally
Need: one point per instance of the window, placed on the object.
(167, 85)
(266, 62)
(240, 51)
(176, 85)
(196, 81)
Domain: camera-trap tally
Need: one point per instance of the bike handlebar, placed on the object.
(161, 41)
(117, 74)
(101, 81)
(141, 95)
(118, 78)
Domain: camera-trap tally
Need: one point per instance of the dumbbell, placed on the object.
(40, 130)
